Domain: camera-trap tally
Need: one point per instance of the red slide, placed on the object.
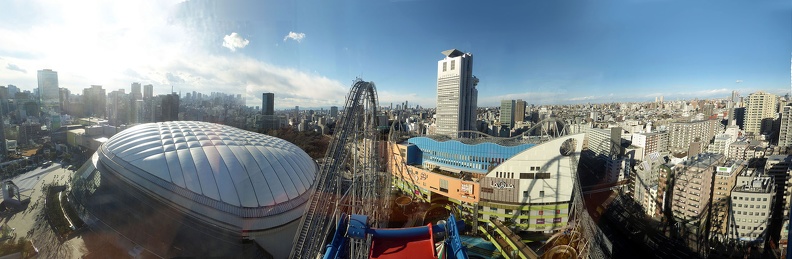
(413, 247)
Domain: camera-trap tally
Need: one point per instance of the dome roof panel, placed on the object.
(236, 167)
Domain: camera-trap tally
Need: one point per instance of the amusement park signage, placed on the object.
(467, 188)
(502, 185)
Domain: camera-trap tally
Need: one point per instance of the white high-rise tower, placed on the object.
(760, 106)
(456, 94)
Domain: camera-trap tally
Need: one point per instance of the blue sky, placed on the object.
(545, 52)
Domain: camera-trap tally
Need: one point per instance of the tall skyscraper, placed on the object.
(3, 147)
(63, 98)
(333, 111)
(456, 93)
(49, 92)
(148, 91)
(785, 134)
(170, 107)
(519, 110)
(730, 108)
(136, 93)
(507, 114)
(268, 119)
(94, 101)
(268, 104)
(760, 106)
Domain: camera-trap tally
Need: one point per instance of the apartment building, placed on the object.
(693, 185)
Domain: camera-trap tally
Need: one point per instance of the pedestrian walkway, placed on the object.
(30, 222)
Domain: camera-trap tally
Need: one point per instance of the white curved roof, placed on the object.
(237, 167)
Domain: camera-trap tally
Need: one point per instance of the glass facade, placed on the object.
(457, 155)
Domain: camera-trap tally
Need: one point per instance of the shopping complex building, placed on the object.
(195, 189)
(525, 185)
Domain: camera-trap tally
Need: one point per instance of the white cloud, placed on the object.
(297, 36)
(13, 67)
(117, 43)
(233, 41)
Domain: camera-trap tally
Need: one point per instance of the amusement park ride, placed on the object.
(350, 203)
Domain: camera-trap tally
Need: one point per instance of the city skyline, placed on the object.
(545, 53)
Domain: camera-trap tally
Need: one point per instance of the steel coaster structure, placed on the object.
(594, 243)
(350, 180)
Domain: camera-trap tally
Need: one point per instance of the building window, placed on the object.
(443, 185)
(444, 66)
(556, 220)
(539, 221)
(541, 212)
(558, 212)
(541, 193)
(525, 194)
(509, 212)
(453, 64)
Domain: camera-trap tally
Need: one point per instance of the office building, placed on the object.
(456, 94)
(785, 134)
(3, 144)
(759, 106)
(268, 104)
(170, 107)
(751, 207)
(195, 189)
(148, 92)
(64, 96)
(49, 92)
(519, 111)
(730, 109)
(268, 119)
(507, 113)
(94, 101)
(136, 92)
(334, 111)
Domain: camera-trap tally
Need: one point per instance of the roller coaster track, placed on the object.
(539, 125)
(349, 180)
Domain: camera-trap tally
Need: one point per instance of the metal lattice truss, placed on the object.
(350, 180)
(594, 243)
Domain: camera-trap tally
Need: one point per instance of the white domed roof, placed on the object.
(236, 167)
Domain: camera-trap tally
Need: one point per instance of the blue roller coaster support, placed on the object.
(356, 226)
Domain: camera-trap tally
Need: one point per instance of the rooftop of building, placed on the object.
(759, 184)
(453, 53)
(703, 160)
(728, 168)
